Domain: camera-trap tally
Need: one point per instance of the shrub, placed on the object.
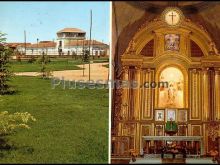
(9, 123)
(44, 60)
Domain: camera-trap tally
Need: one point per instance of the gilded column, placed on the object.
(125, 94)
(136, 98)
(217, 95)
(131, 92)
(195, 94)
(205, 98)
(147, 95)
(211, 94)
(137, 105)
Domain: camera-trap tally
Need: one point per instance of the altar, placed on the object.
(189, 140)
(169, 92)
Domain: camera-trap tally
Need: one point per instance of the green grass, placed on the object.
(57, 64)
(71, 126)
(54, 65)
(106, 65)
(100, 60)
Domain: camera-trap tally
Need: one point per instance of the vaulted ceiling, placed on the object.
(129, 16)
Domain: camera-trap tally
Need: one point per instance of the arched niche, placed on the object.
(171, 96)
(180, 68)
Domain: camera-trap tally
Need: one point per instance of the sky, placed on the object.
(43, 19)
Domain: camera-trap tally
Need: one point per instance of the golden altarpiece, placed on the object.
(181, 53)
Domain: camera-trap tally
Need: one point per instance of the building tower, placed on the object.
(65, 36)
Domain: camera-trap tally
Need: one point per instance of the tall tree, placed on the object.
(5, 73)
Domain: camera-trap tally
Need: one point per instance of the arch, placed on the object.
(147, 32)
(171, 58)
(183, 70)
(171, 97)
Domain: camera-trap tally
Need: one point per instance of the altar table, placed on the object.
(173, 138)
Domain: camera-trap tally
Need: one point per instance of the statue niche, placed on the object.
(171, 97)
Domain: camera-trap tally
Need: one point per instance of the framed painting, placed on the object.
(170, 114)
(182, 115)
(159, 115)
(172, 42)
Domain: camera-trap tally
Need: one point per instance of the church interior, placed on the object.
(174, 48)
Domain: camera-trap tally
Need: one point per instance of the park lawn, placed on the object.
(71, 126)
(100, 60)
(56, 64)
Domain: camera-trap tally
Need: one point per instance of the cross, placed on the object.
(172, 15)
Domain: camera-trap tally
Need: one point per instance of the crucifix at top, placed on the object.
(172, 15)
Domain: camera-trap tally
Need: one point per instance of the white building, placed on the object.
(70, 41)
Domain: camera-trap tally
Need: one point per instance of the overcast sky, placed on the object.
(43, 19)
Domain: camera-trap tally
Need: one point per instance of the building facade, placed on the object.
(70, 41)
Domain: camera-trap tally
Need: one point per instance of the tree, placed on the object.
(44, 59)
(5, 73)
(86, 56)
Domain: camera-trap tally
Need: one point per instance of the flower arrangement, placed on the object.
(171, 127)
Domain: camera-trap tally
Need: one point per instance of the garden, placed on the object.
(40, 124)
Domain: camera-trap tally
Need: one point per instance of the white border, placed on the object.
(110, 87)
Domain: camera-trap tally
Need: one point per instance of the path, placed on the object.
(98, 72)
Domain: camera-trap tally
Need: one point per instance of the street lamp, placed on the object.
(25, 46)
(37, 45)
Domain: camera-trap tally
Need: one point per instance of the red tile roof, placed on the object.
(52, 44)
(70, 30)
(43, 44)
(16, 44)
(85, 42)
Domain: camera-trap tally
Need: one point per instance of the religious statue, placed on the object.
(171, 94)
(171, 127)
(131, 48)
(213, 50)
